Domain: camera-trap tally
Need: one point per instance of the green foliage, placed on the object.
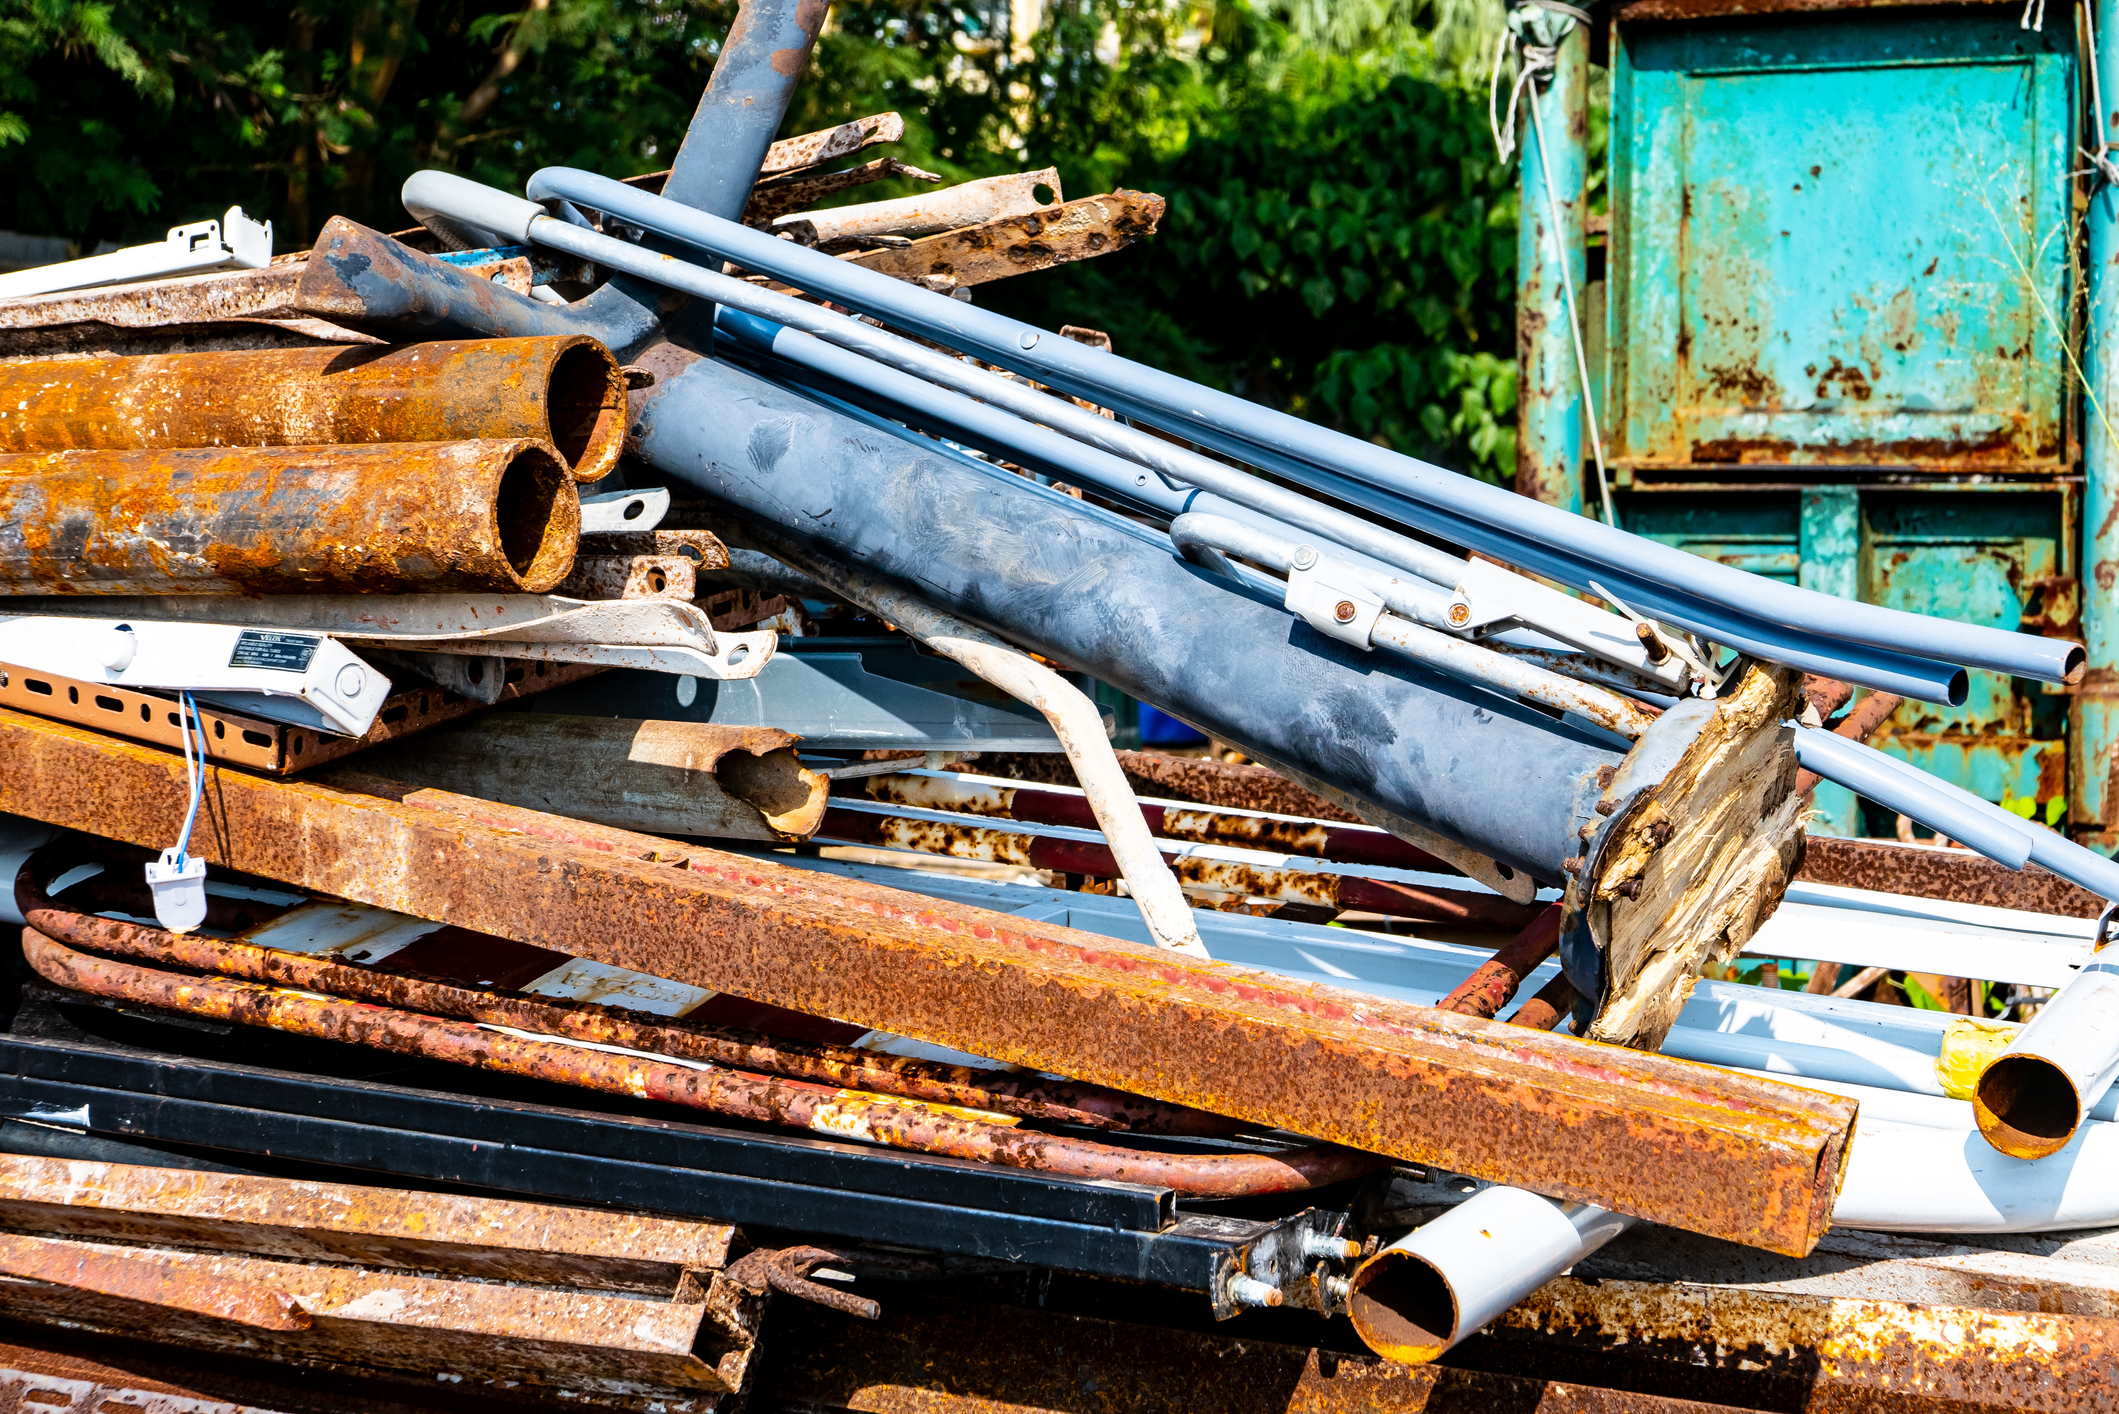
(1338, 242)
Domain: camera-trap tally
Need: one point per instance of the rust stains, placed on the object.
(1729, 1155)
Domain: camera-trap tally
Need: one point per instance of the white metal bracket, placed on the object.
(1491, 596)
(1329, 597)
(233, 242)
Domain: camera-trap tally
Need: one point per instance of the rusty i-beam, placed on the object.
(1741, 1158)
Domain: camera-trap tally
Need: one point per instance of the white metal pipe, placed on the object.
(2033, 1097)
(1075, 720)
(1444, 1281)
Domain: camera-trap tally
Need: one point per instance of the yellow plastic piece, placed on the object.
(1969, 1046)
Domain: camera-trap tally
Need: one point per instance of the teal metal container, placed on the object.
(1843, 326)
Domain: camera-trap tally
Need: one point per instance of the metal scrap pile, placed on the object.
(398, 818)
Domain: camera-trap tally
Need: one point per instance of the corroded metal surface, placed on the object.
(1315, 839)
(1851, 1354)
(942, 1355)
(1493, 983)
(465, 1330)
(1023, 245)
(1225, 881)
(566, 391)
(497, 515)
(1686, 1145)
(147, 1279)
(493, 1238)
(1024, 1095)
(786, 1270)
(1210, 782)
(917, 1125)
(630, 577)
(809, 149)
(780, 196)
(242, 294)
(1954, 874)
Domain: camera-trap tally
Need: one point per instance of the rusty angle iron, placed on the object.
(1688, 1145)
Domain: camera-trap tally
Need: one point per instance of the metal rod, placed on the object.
(1101, 376)
(845, 1114)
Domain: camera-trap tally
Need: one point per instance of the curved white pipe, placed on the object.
(2033, 1096)
(1075, 720)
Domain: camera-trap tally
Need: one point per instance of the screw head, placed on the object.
(1029, 339)
(1460, 615)
(1305, 556)
(1345, 611)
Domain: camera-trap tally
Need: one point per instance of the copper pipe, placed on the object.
(1025, 1096)
(1858, 725)
(1494, 982)
(843, 1114)
(500, 515)
(565, 391)
(1546, 1010)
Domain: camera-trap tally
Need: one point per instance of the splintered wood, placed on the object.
(1698, 861)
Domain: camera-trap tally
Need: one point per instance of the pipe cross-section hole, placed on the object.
(535, 538)
(2026, 1106)
(1403, 1308)
(585, 408)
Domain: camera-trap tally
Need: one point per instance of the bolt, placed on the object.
(1305, 556)
(1250, 1291)
(1459, 615)
(1344, 611)
(1339, 1290)
(1332, 1249)
(1029, 339)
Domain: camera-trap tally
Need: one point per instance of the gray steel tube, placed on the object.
(761, 61)
(1499, 518)
(1090, 590)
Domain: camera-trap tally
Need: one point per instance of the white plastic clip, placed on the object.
(177, 880)
(1329, 598)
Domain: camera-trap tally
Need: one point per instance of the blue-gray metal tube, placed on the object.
(754, 78)
(1082, 586)
(1485, 517)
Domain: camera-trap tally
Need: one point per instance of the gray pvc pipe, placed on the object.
(1136, 387)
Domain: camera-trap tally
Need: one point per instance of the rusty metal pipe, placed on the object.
(895, 1123)
(564, 390)
(1858, 725)
(1493, 983)
(395, 517)
(1025, 1096)
(1556, 999)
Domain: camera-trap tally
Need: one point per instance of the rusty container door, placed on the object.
(1840, 316)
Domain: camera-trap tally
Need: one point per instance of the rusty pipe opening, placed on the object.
(1403, 1307)
(585, 409)
(2027, 1106)
(537, 540)
(776, 784)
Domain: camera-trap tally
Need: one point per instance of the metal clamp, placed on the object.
(1328, 597)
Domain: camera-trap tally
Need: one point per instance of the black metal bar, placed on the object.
(582, 1157)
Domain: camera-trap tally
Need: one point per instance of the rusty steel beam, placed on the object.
(565, 391)
(490, 1238)
(1686, 1145)
(806, 150)
(917, 1125)
(945, 1355)
(1024, 1095)
(1954, 874)
(1232, 880)
(1828, 1353)
(476, 1332)
(136, 1276)
(500, 515)
(1312, 838)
